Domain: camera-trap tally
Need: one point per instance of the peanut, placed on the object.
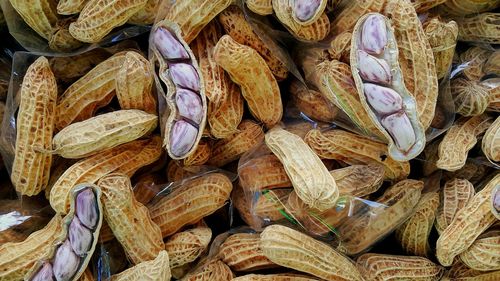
(311, 180)
(495, 202)
(241, 252)
(456, 194)
(492, 65)
(414, 233)
(460, 272)
(208, 193)
(102, 132)
(361, 231)
(480, 28)
(383, 94)
(465, 7)
(231, 148)
(134, 84)
(312, 103)
(442, 37)
(306, 12)
(185, 91)
(99, 17)
(459, 139)
(468, 224)
(346, 18)
(359, 180)
(290, 248)
(483, 253)
(40, 15)
(85, 96)
(264, 172)
(34, 129)
(249, 70)
(129, 220)
(234, 23)
(153, 270)
(473, 60)
(201, 155)
(186, 246)
(175, 172)
(269, 207)
(126, 158)
(491, 141)
(470, 97)
(225, 118)
(147, 14)
(391, 267)
(340, 47)
(192, 16)
(61, 40)
(354, 149)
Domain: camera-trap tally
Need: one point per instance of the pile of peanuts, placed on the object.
(283, 140)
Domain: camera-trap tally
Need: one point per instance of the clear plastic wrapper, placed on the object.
(33, 42)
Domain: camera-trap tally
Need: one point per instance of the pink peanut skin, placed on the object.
(374, 35)
(305, 9)
(86, 208)
(383, 100)
(373, 69)
(44, 274)
(168, 45)
(80, 237)
(189, 105)
(185, 76)
(398, 125)
(65, 262)
(182, 137)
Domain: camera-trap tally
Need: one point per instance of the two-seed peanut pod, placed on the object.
(311, 180)
(290, 248)
(258, 85)
(381, 87)
(468, 224)
(195, 199)
(184, 90)
(103, 132)
(126, 158)
(34, 129)
(129, 220)
(99, 17)
(392, 267)
(72, 251)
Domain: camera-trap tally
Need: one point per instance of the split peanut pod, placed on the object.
(311, 180)
(241, 252)
(126, 158)
(193, 200)
(34, 129)
(72, 251)
(258, 84)
(129, 220)
(99, 17)
(390, 267)
(184, 90)
(455, 195)
(186, 246)
(381, 87)
(295, 250)
(103, 132)
(467, 225)
(153, 270)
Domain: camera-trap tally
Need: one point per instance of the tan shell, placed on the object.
(480, 28)
(491, 141)
(455, 195)
(390, 55)
(241, 252)
(186, 246)
(153, 270)
(442, 37)
(471, 97)
(483, 254)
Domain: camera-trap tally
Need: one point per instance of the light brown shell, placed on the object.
(455, 195)
(241, 252)
(484, 253)
(480, 28)
(186, 246)
(442, 37)
(153, 270)
(225, 118)
(491, 141)
(312, 103)
(471, 97)
(40, 15)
